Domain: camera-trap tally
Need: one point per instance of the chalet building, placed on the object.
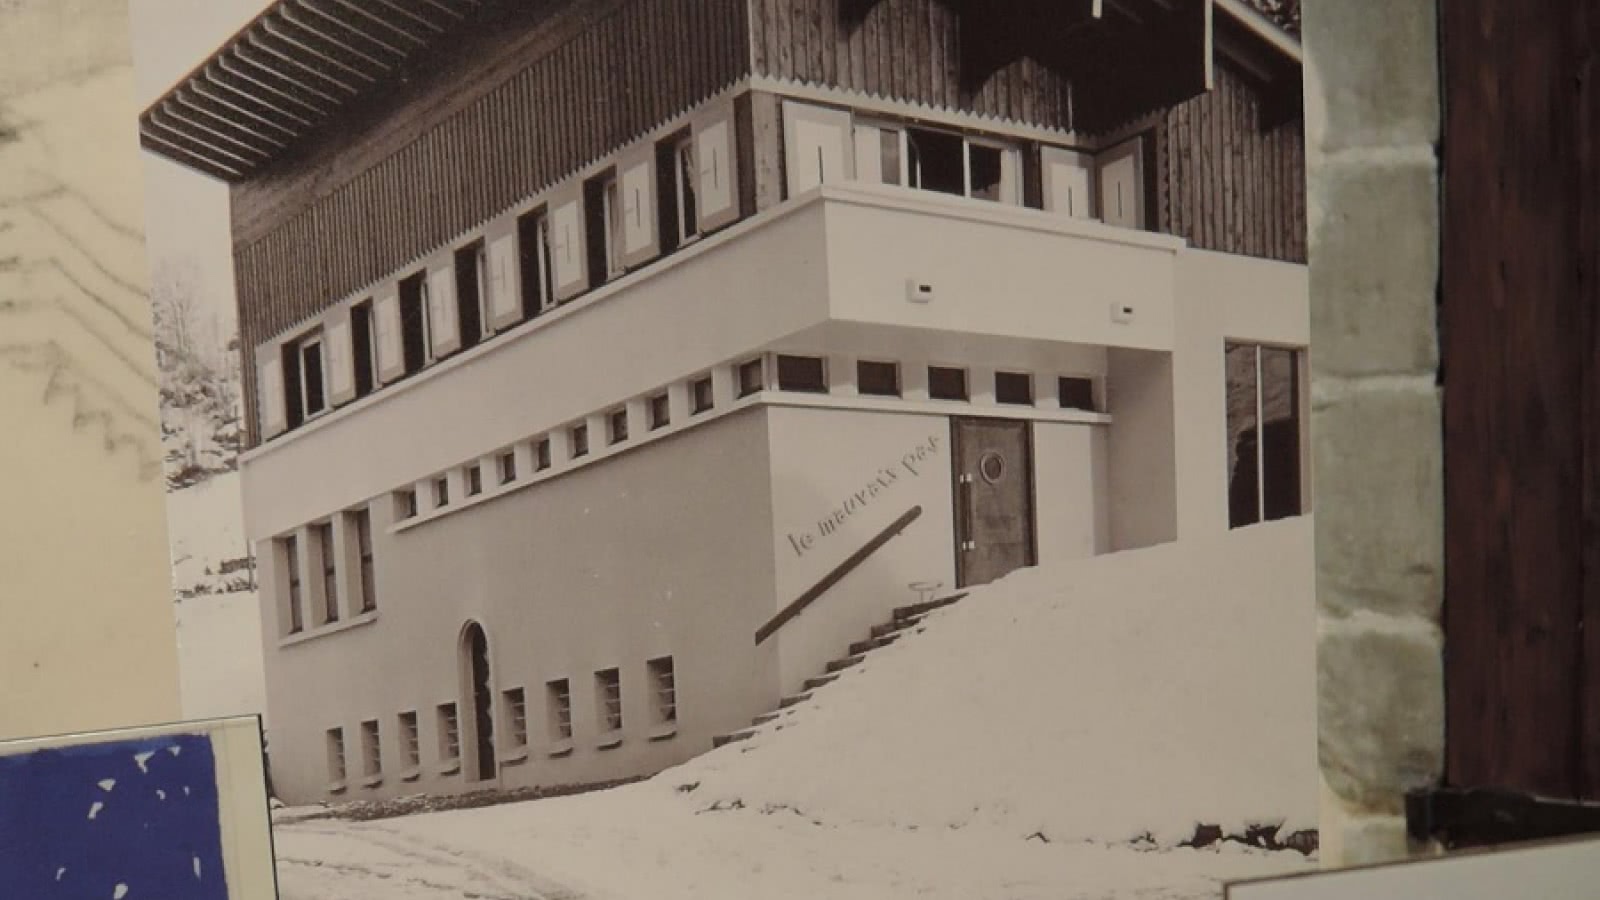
(613, 365)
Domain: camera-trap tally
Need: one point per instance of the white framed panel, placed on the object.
(636, 186)
(568, 247)
(269, 390)
(504, 280)
(444, 325)
(386, 327)
(716, 174)
(340, 351)
(1068, 182)
(818, 146)
(1120, 173)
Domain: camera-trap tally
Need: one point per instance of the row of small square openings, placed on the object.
(791, 373)
(514, 709)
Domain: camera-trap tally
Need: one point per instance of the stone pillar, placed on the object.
(1372, 124)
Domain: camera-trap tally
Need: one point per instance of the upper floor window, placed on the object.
(533, 251)
(364, 343)
(472, 292)
(304, 385)
(415, 333)
(1264, 444)
(945, 162)
(603, 227)
(688, 215)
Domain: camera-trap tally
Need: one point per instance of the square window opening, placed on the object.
(946, 383)
(1013, 387)
(406, 503)
(579, 435)
(985, 169)
(751, 377)
(660, 411)
(1076, 393)
(878, 379)
(617, 425)
(701, 395)
(441, 491)
(474, 480)
(806, 374)
(937, 161)
(541, 455)
(508, 467)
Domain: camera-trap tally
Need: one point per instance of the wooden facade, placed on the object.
(1520, 360)
(1227, 179)
(525, 95)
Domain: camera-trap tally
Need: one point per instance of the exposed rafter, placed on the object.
(287, 72)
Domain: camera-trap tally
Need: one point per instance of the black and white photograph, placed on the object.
(623, 449)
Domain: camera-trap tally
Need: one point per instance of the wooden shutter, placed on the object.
(869, 153)
(386, 322)
(1121, 195)
(818, 147)
(1068, 182)
(636, 183)
(340, 374)
(716, 190)
(444, 320)
(1010, 177)
(568, 249)
(269, 390)
(504, 287)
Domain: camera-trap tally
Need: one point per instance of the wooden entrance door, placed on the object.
(993, 463)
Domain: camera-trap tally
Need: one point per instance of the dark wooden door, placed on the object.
(993, 463)
(482, 704)
(1520, 351)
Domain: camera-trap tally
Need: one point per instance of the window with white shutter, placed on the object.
(1121, 185)
(443, 324)
(386, 327)
(341, 372)
(1068, 182)
(716, 189)
(637, 186)
(269, 391)
(567, 247)
(504, 288)
(819, 147)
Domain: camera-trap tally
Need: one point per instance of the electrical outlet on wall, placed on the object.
(918, 291)
(1122, 312)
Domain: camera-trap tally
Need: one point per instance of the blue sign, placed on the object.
(125, 820)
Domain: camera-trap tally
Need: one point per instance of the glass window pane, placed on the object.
(1243, 497)
(1280, 427)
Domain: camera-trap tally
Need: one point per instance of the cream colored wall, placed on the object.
(664, 550)
(995, 270)
(820, 459)
(87, 638)
(1071, 496)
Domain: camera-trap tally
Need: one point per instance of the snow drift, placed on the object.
(1127, 697)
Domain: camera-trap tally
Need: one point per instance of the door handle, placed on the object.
(964, 503)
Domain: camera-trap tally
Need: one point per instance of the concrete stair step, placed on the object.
(764, 718)
(820, 680)
(894, 627)
(917, 609)
(725, 739)
(839, 665)
(792, 699)
(871, 644)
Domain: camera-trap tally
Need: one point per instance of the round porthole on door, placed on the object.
(992, 466)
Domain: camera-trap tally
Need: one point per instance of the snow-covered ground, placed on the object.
(643, 843)
(1057, 735)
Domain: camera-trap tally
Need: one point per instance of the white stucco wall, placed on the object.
(661, 551)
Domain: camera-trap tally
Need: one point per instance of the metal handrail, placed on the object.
(839, 572)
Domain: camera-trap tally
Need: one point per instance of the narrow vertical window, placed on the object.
(508, 467)
(541, 455)
(660, 412)
(330, 572)
(314, 398)
(363, 339)
(472, 311)
(406, 503)
(291, 557)
(578, 438)
(516, 712)
(361, 520)
(336, 767)
(410, 740)
(449, 733)
(664, 688)
(533, 255)
(474, 480)
(608, 697)
(601, 217)
(441, 491)
(371, 749)
(558, 694)
(688, 212)
(983, 171)
(414, 322)
(617, 424)
(1280, 434)
(1244, 437)
(294, 398)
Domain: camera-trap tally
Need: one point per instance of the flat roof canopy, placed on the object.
(285, 73)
